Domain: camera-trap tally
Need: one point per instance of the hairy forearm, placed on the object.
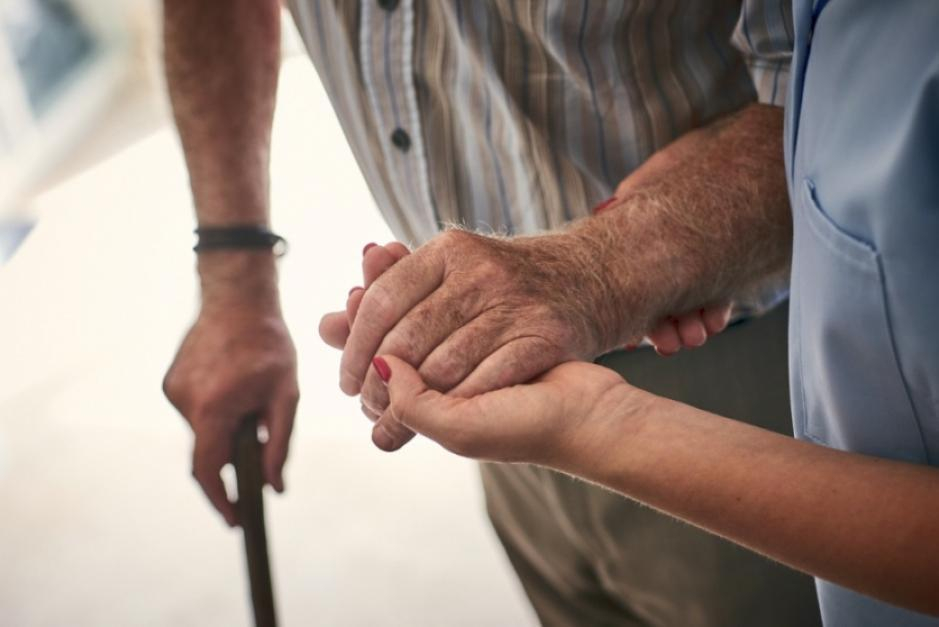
(704, 220)
(866, 523)
(222, 62)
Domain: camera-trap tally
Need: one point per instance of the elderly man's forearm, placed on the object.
(704, 220)
(222, 62)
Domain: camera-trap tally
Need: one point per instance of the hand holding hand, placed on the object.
(473, 313)
(689, 330)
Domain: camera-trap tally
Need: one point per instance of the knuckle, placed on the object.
(399, 410)
(202, 406)
(396, 429)
(445, 372)
(350, 380)
(378, 304)
(453, 237)
(488, 271)
(292, 396)
(368, 413)
(408, 337)
(375, 397)
(172, 387)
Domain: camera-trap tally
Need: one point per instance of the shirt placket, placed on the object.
(387, 52)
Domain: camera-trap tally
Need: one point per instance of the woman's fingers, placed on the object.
(664, 336)
(716, 318)
(414, 406)
(689, 330)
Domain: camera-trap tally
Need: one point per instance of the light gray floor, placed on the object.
(100, 523)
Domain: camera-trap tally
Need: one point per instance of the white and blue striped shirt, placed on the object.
(519, 116)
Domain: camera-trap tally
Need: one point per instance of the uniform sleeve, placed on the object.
(764, 35)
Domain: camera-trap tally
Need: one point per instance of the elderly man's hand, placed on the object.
(235, 362)
(669, 335)
(474, 313)
(489, 313)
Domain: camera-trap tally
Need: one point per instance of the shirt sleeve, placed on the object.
(764, 35)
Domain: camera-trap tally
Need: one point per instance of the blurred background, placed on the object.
(100, 523)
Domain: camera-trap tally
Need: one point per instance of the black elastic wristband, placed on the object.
(243, 236)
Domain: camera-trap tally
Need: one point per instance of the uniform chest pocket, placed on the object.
(848, 391)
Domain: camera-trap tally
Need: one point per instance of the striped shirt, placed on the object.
(519, 116)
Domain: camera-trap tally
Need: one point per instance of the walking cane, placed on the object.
(251, 516)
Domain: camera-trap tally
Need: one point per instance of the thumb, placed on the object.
(415, 405)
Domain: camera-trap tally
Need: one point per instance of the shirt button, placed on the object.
(388, 5)
(401, 139)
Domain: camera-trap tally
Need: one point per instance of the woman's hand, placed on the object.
(561, 419)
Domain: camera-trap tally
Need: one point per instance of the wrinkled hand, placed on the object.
(689, 330)
(468, 310)
(232, 364)
(671, 334)
(560, 419)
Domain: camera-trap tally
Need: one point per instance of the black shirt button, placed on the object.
(401, 139)
(388, 5)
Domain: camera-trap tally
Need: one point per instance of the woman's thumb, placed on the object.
(413, 404)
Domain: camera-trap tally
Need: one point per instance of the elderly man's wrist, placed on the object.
(244, 279)
(612, 295)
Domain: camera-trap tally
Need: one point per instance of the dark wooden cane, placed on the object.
(251, 516)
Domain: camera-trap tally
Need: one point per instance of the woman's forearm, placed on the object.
(866, 523)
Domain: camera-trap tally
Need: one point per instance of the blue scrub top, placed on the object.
(862, 157)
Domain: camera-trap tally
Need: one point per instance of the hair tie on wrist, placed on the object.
(239, 237)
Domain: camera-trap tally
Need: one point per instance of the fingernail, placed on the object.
(603, 205)
(382, 438)
(382, 368)
(355, 288)
(368, 246)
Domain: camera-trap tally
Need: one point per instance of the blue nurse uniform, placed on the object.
(862, 157)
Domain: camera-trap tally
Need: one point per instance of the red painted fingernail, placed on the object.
(368, 247)
(603, 205)
(355, 288)
(382, 368)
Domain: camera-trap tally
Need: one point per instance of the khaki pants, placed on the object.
(587, 556)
